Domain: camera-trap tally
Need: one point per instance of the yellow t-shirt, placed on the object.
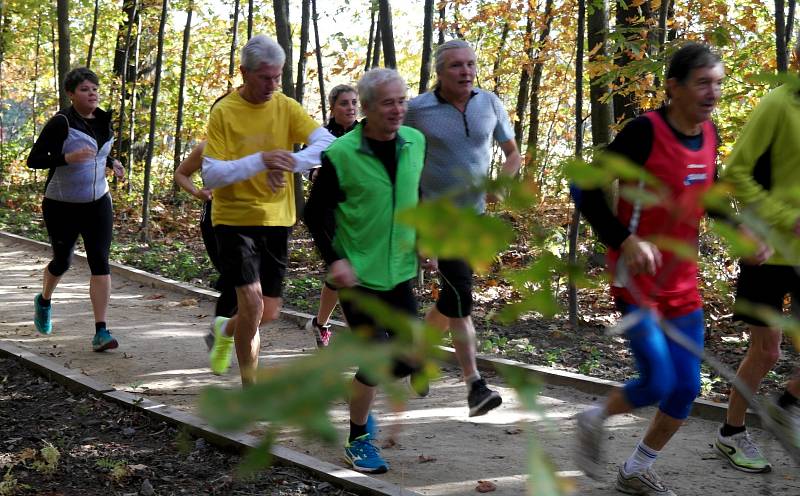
(238, 128)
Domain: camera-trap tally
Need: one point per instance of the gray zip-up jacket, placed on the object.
(67, 132)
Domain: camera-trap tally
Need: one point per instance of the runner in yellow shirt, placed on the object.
(248, 164)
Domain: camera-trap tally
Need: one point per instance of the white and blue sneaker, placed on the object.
(364, 456)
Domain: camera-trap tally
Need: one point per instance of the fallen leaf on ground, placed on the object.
(426, 459)
(513, 431)
(485, 486)
(154, 297)
(188, 302)
(389, 443)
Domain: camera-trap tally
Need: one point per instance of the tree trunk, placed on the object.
(524, 77)
(132, 119)
(234, 44)
(283, 30)
(625, 107)
(320, 71)
(53, 45)
(442, 22)
(94, 33)
(249, 19)
(781, 54)
(602, 112)
(62, 14)
(427, 48)
(301, 59)
(456, 23)
(790, 25)
(387, 34)
(122, 51)
(499, 58)
(576, 216)
(187, 31)
(531, 153)
(376, 49)
(123, 90)
(35, 74)
(152, 135)
(371, 40)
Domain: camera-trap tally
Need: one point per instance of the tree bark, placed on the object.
(187, 31)
(532, 151)
(499, 58)
(249, 19)
(94, 33)
(301, 59)
(442, 22)
(376, 48)
(524, 77)
(602, 112)
(123, 87)
(427, 47)
(134, 96)
(625, 107)
(781, 54)
(152, 135)
(387, 34)
(320, 71)
(122, 51)
(283, 30)
(790, 25)
(35, 73)
(62, 14)
(234, 44)
(371, 40)
(576, 216)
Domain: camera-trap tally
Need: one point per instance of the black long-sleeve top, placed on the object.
(47, 151)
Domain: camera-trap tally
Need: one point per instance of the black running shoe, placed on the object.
(481, 399)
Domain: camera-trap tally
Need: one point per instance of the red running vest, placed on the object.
(684, 176)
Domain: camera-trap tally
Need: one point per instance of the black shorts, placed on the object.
(401, 298)
(251, 254)
(92, 221)
(455, 289)
(765, 285)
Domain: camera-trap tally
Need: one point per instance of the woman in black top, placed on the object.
(343, 101)
(75, 146)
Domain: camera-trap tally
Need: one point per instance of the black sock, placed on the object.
(730, 430)
(356, 431)
(43, 302)
(98, 326)
(786, 400)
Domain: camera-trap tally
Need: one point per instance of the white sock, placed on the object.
(641, 459)
(223, 328)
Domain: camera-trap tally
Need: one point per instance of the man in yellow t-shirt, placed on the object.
(248, 164)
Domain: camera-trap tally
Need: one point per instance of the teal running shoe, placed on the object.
(103, 340)
(364, 456)
(41, 316)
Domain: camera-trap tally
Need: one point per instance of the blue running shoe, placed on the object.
(41, 316)
(364, 456)
(103, 340)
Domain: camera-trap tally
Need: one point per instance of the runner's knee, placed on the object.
(59, 265)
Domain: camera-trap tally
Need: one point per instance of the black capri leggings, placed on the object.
(92, 221)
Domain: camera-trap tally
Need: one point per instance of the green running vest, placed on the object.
(381, 251)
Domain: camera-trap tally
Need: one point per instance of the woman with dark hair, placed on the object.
(75, 146)
(652, 285)
(343, 102)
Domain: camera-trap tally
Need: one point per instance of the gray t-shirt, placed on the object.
(459, 145)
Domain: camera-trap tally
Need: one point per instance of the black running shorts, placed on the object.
(765, 285)
(455, 288)
(251, 254)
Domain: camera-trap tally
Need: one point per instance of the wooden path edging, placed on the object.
(704, 409)
(73, 380)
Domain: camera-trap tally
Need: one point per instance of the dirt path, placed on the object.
(162, 354)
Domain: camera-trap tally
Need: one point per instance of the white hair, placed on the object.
(261, 49)
(448, 45)
(368, 85)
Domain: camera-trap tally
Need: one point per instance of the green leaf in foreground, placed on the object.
(446, 231)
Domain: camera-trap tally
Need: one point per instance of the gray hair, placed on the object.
(448, 45)
(261, 49)
(338, 90)
(367, 86)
